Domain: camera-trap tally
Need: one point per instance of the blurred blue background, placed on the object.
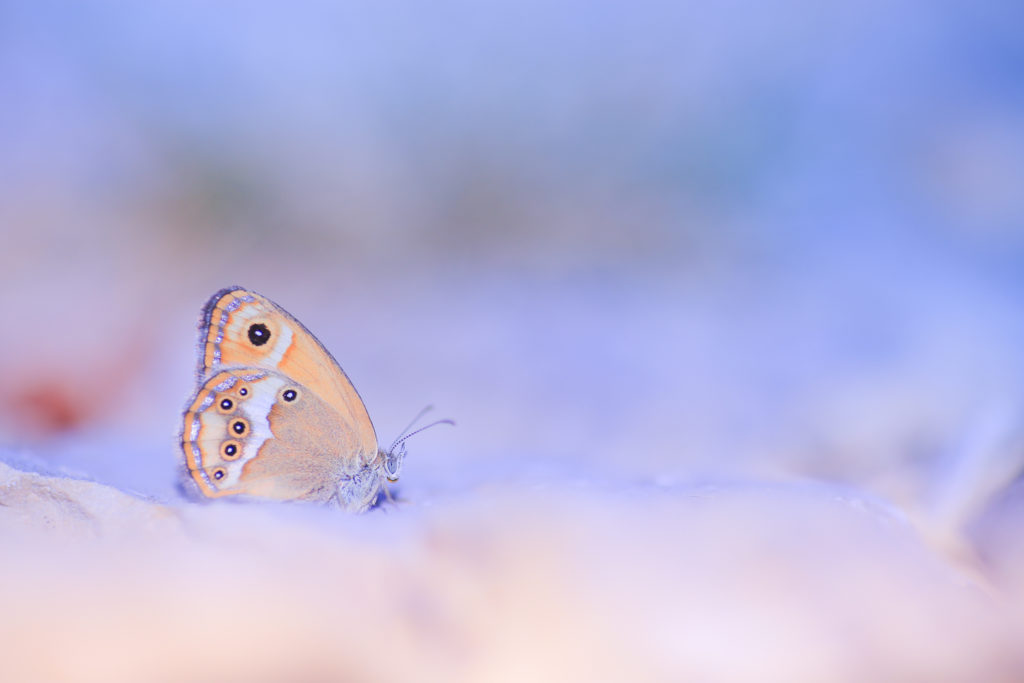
(659, 238)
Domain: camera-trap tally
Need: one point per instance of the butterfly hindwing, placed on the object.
(255, 432)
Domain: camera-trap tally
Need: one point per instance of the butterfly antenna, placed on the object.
(403, 437)
(416, 419)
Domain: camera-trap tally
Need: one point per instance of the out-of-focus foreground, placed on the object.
(725, 301)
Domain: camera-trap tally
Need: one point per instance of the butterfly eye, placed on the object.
(289, 395)
(259, 334)
(239, 427)
(219, 473)
(230, 450)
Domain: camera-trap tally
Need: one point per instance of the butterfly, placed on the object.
(274, 415)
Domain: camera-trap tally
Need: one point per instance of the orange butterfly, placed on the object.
(274, 415)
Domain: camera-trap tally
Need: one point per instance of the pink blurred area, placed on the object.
(657, 247)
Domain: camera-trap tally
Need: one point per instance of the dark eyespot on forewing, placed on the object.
(259, 334)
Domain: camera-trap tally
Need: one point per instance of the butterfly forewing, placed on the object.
(242, 328)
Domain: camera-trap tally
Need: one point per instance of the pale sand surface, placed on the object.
(513, 581)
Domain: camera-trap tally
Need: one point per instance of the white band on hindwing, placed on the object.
(256, 409)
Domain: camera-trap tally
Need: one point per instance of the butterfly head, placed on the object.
(391, 460)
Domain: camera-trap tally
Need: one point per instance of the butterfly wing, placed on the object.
(242, 328)
(252, 431)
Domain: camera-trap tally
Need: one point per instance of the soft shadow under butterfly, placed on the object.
(274, 415)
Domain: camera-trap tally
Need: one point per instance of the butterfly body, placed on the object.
(274, 415)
